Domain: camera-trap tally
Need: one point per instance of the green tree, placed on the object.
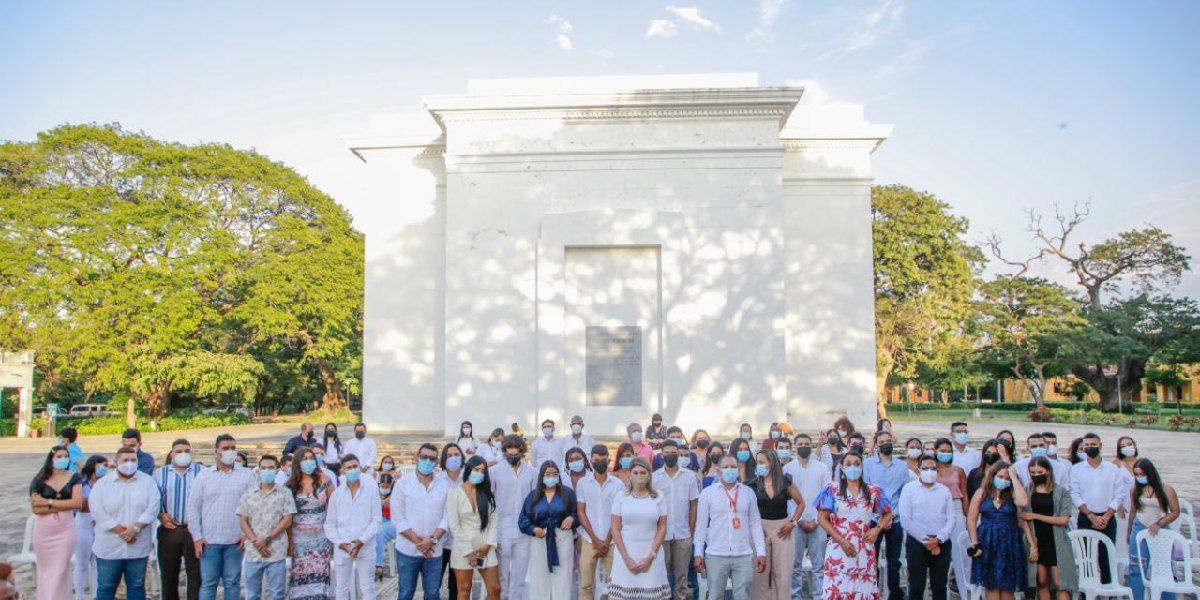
(151, 268)
(925, 274)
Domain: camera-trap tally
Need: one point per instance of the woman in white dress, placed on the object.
(639, 526)
(471, 517)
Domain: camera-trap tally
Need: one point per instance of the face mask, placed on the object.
(62, 463)
(101, 471)
(308, 466)
(639, 481)
(466, 431)
(1129, 451)
(746, 435)
(182, 459)
(841, 433)
(1051, 450)
(729, 474)
(1001, 483)
(360, 434)
(804, 452)
(576, 466)
(513, 459)
(425, 466)
(775, 435)
(856, 448)
(330, 433)
(352, 475)
(784, 455)
(547, 431)
(600, 466)
(385, 492)
(928, 476)
(636, 436)
(321, 459)
(1038, 479)
(1081, 455)
(1141, 480)
(626, 461)
(671, 460)
(476, 477)
(962, 438)
(886, 448)
(127, 468)
(387, 466)
(760, 470)
(228, 457)
(702, 443)
(990, 458)
(945, 457)
(852, 472)
(1038, 452)
(913, 453)
(576, 429)
(716, 458)
(676, 442)
(267, 476)
(743, 455)
(550, 481)
(1092, 452)
(453, 463)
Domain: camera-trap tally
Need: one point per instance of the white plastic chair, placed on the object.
(1122, 547)
(1085, 546)
(26, 556)
(1186, 526)
(1162, 564)
(963, 541)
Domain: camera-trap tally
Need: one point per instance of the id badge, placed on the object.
(737, 523)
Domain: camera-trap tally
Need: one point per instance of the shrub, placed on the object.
(1041, 415)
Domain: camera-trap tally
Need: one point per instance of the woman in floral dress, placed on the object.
(310, 550)
(853, 514)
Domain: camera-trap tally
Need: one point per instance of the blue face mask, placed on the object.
(785, 455)
(1141, 480)
(267, 476)
(1001, 483)
(852, 472)
(760, 470)
(550, 481)
(424, 466)
(576, 466)
(626, 461)
(453, 463)
(352, 475)
(101, 471)
(743, 455)
(62, 464)
(321, 459)
(476, 477)
(945, 457)
(308, 466)
(729, 474)
(1038, 452)
(962, 438)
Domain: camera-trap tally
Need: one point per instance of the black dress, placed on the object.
(1042, 503)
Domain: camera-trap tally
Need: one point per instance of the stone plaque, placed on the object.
(614, 366)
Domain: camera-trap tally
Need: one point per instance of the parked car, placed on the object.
(90, 410)
(228, 410)
(41, 413)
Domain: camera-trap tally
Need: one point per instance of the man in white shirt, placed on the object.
(810, 476)
(729, 540)
(1051, 439)
(418, 512)
(965, 457)
(546, 447)
(680, 489)
(512, 480)
(1036, 444)
(594, 496)
(927, 510)
(212, 507)
(578, 439)
(363, 448)
(123, 507)
(1096, 489)
(352, 520)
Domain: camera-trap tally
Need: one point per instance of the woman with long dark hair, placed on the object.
(773, 490)
(93, 470)
(1153, 505)
(576, 466)
(451, 476)
(54, 492)
(741, 451)
(912, 454)
(333, 448)
(625, 455)
(990, 454)
(549, 515)
(1077, 455)
(471, 517)
(998, 564)
(310, 550)
(712, 464)
(846, 511)
(1126, 457)
(1049, 514)
(832, 448)
(466, 439)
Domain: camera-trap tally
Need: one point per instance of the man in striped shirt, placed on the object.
(174, 480)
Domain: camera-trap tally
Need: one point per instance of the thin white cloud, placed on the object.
(874, 25)
(563, 41)
(662, 28)
(564, 27)
(691, 14)
(768, 13)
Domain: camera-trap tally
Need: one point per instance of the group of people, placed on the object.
(562, 517)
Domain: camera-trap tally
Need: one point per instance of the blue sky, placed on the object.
(998, 107)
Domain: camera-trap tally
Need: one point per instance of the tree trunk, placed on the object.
(1112, 397)
(131, 412)
(332, 400)
(883, 368)
(158, 402)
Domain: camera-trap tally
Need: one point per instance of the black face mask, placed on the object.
(329, 433)
(886, 448)
(513, 459)
(716, 458)
(360, 434)
(670, 460)
(702, 443)
(989, 459)
(804, 452)
(1092, 452)
(1038, 479)
(600, 466)
(856, 448)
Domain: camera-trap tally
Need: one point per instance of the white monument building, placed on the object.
(693, 245)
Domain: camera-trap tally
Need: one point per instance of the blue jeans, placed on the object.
(220, 563)
(108, 577)
(1134, 576)
(409, 567)
(723, 569)
(383, 540)
(274, 572)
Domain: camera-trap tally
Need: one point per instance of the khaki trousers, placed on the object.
(776, 582)
(587, 568)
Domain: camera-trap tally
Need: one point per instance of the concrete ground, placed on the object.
(1171, 451)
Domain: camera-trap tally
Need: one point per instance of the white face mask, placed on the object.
(1129, 451)
(928, 476)
(466, 431)
(127, 468)
(182, 459)
(577, 429)
(228, 457)
(913, 452)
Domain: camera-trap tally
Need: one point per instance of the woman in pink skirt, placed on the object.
(54, 493)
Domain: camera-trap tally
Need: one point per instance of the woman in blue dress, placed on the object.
(550, 516)
(997, 552)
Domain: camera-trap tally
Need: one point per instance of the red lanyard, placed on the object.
(733, 518)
